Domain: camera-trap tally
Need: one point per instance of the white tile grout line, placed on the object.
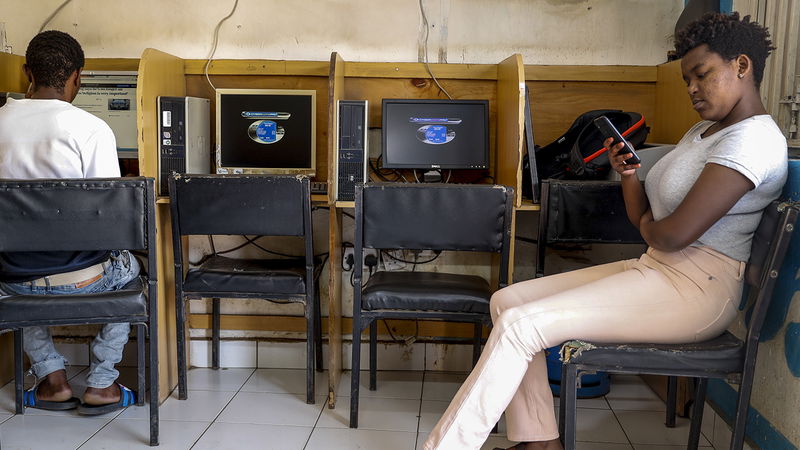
(214, 420)
(419, 413)
(314, 428)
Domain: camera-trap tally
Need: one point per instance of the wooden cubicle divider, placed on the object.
(559, 94)
(674, 112)
(335, 362)
(12, 79)
(160, 74)
(510, 124)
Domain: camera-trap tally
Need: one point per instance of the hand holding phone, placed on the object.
(610, 131)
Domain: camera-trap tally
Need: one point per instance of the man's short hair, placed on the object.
(52, 56)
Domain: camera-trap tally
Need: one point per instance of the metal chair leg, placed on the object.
(672, 400)
(476, 342)
(310, 350)
(742, 407)
(180, 331)
(215, 333)
(18, 372)
(562, 401)
(373, 355)
(569, 389)
(140, 363)
(318, 328)
(697, 413)
(355, 372)
(153, 335)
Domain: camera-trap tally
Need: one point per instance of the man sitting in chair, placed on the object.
(45, 136)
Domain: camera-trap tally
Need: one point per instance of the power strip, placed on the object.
(319, 187)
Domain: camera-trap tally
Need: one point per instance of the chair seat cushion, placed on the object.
(74, 309)
(426, 291)
(723, 354)
(220, 274)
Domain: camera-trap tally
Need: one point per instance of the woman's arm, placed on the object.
(636, 203)
(714, 193)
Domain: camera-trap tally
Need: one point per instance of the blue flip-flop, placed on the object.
(30, 401)
(127, 398)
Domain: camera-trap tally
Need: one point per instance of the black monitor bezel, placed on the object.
(386, 163)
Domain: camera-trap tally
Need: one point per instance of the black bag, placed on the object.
(579, 154)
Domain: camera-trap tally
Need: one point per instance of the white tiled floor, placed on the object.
(265, 409)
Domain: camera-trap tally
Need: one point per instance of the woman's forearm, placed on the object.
(636, 203)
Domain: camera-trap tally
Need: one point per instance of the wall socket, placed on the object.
(349, 251)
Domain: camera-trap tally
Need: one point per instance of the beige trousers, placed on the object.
(677, 297)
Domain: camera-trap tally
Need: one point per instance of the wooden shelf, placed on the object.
(527, 205)
(341, 204)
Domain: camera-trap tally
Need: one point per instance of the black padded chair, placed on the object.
(77, 215)
(725, 357)
(582, 212)
(244, 205)
(425, 216)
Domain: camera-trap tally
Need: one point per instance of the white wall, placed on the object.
(636, 32)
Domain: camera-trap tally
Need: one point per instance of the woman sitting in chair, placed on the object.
(698, 211)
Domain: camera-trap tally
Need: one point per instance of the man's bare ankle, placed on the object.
(54, 387)
(101, 396)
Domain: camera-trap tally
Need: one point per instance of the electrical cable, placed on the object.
(386, 252)
(49, 18)
(425, 50)
(216, 41)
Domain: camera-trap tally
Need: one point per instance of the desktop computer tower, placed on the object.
(184, 141)
(351, 147)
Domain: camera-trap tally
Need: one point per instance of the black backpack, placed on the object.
(579, 154)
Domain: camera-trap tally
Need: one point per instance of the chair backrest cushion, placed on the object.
(587, 211)
(240, 204)
(73, 214)
(434, 216)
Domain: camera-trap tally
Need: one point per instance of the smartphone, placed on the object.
(610, 131)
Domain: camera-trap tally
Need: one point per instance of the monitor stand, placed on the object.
(432, 176)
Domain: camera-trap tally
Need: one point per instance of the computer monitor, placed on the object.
(266, 131)
(111, 96)
(435, 134)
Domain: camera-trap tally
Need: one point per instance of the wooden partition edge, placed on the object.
(510, 123)
(160, 74)
(674, 112)
(635, 74)
(257, 67)
(335, 322)
(12, 79)
(335, 93)
(427, 328)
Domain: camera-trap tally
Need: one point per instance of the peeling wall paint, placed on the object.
(635, 32)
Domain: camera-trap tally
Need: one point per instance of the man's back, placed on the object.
(49, 138)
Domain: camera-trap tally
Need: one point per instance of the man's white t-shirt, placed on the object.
(54, 139)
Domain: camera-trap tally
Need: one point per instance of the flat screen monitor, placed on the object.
(111, 96)
(435, 134)
(266, 131)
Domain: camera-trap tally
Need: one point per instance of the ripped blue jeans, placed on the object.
(107, 346)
